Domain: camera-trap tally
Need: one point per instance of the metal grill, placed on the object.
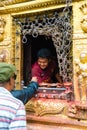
(58, 25)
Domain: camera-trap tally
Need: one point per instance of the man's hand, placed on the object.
(49, 85)
(59, 85)
(34, 79)
(43, 84)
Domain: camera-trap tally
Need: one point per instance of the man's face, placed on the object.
(12, 82)
(43, 62)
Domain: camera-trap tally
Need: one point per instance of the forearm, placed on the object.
(27, 93)
(58, 78)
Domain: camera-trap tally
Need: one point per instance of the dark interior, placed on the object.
(30, 50)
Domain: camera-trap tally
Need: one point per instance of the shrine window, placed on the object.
(52, 30)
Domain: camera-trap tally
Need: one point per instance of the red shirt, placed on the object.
(44, 75)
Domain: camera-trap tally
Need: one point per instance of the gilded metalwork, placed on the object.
(3, 56)
(10, 2)
(30, 5)
(81, 72)
(83, 8)
(59, 28)
(2, 28)
(83, 21)
(56, 24)
(78, 111)
(43, 107)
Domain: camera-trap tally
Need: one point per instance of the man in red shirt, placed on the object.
(45, 68)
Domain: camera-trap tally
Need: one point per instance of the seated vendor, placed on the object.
(45, 68)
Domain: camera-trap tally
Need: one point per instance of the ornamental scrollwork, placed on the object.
(2, 28)
(83, 21)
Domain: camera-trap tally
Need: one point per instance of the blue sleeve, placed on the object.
(27, 93)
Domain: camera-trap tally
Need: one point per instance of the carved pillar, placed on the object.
(79, 40)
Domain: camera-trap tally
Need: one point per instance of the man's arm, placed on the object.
(27, 93)
(58, 78)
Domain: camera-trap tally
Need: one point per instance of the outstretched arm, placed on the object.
(58, 78)
(27, 93)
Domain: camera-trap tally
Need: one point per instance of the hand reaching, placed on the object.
(34, 79)
(49, 85)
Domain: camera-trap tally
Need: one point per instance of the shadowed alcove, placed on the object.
(30, 50)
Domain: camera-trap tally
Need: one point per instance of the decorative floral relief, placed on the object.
(84, 23)
(2, 28)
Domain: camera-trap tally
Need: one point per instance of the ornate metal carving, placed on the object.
(3, 56)
(2, 29)
(77, 110)
(8, 2)
(59, 27)
(81, 72)
(43, 107)
(83, 21)
(29, 6)
(83, 8)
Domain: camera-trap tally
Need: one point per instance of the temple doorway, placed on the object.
(30, 49)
